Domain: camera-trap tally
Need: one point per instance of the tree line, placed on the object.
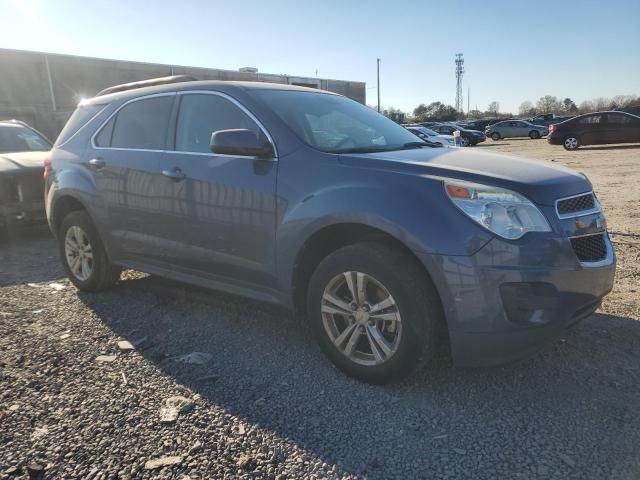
(439, 112)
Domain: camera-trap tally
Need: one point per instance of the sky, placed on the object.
(513, 50)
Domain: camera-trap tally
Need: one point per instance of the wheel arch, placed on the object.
(330, 238)
(62, 206)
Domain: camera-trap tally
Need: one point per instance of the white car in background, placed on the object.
(431, 136)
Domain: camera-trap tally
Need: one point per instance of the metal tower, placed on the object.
(459, 73)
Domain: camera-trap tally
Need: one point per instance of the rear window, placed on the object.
(78, 119)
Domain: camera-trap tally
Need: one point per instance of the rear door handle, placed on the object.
(97, 163)
(175, 174)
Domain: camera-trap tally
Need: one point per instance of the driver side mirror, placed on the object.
(241, 142)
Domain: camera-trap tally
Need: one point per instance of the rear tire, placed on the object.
(534, 134)
(495, 136)
(571, 142)
(387, 342)
(83, 255)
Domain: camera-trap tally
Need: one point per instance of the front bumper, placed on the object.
(25, 213)
(511, 298)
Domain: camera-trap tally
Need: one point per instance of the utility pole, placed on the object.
(459, 73)
(378, 85)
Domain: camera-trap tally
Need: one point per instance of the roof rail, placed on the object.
(13, 120)
(147, 83)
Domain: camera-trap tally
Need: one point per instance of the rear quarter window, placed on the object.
(80, 117)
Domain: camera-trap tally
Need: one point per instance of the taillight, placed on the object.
(47, 168)
(552, 128)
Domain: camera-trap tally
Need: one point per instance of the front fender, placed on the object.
(413, 210)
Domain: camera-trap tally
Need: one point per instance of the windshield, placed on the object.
(17, 138)
(336, 124)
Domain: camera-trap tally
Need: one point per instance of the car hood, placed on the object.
(538, 180)
(21, 161)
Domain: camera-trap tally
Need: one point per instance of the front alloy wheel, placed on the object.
(361, 318)
(374, 311)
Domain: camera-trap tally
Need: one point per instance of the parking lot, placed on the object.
(268, 404)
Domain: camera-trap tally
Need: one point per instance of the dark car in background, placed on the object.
(23, 151)
(547, 119)
(599, 128)
(479, 125)
(315, 202)
(469, 137)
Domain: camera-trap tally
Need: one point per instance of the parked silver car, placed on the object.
(515, 128)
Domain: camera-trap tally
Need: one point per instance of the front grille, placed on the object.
(576, 204)
(590, 248)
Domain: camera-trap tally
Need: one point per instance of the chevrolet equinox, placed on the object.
(313, 201)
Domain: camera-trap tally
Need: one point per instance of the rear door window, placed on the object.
(142, 124)
(591, 120)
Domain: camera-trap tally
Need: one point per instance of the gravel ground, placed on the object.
(267, 404)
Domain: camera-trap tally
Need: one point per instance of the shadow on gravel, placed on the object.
(610, 147)
(21, 257)
(570, 411)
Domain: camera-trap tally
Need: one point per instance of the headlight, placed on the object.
(503, 212)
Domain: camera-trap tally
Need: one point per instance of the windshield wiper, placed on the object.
(404, 146)
(361, 150)
(415, 145)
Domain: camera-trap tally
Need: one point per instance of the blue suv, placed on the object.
(304, 198)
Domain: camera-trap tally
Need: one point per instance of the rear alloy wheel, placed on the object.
(78, 253)
(495, 136)
(534, 134)
(83, 255)
(464, 142)
(571, 143)
(374, 312)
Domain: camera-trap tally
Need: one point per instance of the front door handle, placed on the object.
(175, 174)
(97, 163)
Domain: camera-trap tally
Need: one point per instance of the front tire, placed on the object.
(374, 312)
(83, 255)
(571, 142)
(495, 136)
(534, 134)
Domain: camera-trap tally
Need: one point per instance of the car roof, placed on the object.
(199, 85)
